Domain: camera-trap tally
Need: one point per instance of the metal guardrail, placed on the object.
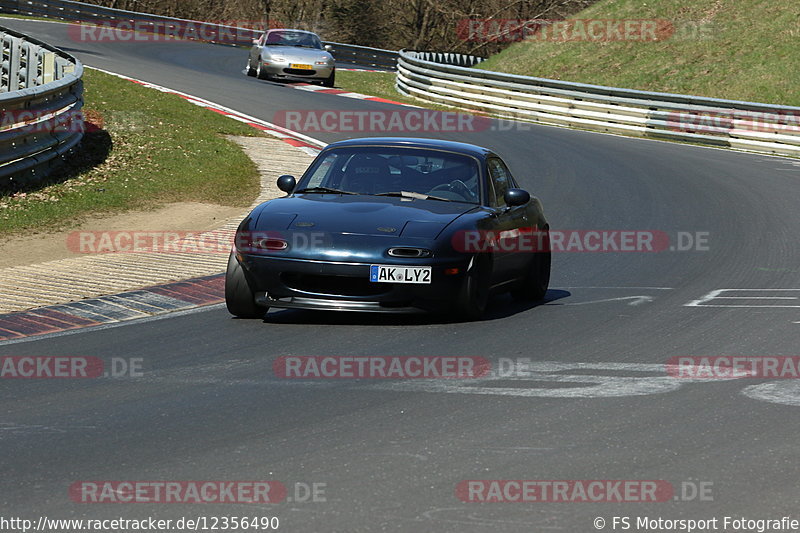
(180, 28)
(364, 56)
(41, 96)
(447, 79)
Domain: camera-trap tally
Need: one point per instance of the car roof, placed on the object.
(416, 142)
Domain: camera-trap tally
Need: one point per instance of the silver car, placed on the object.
(291, 54)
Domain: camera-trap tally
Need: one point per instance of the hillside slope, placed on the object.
(734, 49)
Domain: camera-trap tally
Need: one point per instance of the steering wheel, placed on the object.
(457, 187)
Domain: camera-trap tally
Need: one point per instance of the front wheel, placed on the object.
(239, 297)
(537, 278)
(474, 296)
(249, 69)
(261, 72)
(330, 80)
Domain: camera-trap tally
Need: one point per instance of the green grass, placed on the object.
(380, 84)
(162, 150)
(732, 49)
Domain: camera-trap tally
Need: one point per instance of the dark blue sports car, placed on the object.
(392, 225)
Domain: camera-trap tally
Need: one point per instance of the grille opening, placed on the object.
(333, 285)
(409, 252)
(299, 71)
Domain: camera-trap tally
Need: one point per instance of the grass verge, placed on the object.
(380, 84)
(732, 49)
(146, 149)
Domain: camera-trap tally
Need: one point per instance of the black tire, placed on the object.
(330, 80)
(249, 69)
(261, 73)
(239, 297)
(537, 279)
(474, 295)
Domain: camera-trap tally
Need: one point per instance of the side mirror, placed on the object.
(255, 41)
(328, 47)
(515, 197)
(287, 183)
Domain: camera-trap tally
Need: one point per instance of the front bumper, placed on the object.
(341, 286)
(283, 70)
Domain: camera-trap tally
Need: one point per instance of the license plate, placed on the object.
(394, 274)
(300, 66)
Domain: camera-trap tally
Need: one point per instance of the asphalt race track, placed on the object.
(208, 405)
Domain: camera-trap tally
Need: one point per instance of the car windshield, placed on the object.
(396, 171)
(293, 38)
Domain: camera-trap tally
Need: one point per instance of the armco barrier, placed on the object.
(364, 56)
(188, 29)
(41, 95)
(448, 79)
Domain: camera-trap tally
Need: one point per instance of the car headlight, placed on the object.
(276, 59)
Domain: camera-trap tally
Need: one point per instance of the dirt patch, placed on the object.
(32, 248)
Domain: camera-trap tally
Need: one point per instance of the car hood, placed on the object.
(295, 54)
(359, 215)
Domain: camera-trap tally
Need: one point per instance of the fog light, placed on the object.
(451, 271)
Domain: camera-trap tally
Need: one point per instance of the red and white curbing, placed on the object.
(347, 94)
(130, 305)
(305, 143)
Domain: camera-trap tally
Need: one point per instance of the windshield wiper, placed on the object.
(324, 190)
(415, 195)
